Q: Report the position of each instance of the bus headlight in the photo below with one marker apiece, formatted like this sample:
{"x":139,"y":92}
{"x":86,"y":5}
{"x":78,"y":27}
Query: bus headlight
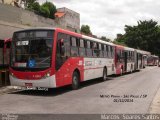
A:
{"x":48,"y":74}
{"x":11,"y":74}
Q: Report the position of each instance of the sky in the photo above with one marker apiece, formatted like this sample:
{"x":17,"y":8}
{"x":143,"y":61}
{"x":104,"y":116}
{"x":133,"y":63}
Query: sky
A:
{"x":109,"y":17}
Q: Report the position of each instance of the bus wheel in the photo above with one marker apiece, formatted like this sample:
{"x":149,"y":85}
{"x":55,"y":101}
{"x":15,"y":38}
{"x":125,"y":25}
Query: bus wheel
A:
{"x":104,"y":74}
{"x":75,"y":81}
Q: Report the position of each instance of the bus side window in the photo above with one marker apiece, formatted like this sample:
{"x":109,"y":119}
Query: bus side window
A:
{"x":132,"y":56}
{"x":112,"y":54}
{"x":74,"y":46}
{"x":60,"y":59}
{"x":118,"y":55}
{"x":88,"y":49}
{"x":112,"y":51}
{"x":100,"y":50}
{"x":109,"y":52}
{"x":105,"y":51}
{"x":67,"y":45}
{"x":95,"y":49}
{"x":82,"y":51}
{"x":128,"y":56}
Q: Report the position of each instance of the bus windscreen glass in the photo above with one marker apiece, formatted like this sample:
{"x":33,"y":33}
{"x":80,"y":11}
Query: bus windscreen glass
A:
{"x":32,"y":49}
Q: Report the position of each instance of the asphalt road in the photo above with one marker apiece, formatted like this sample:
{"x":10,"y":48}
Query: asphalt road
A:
{"x":130,"y":93}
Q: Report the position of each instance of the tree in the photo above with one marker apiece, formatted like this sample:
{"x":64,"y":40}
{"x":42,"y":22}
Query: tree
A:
{"x":44,"y":11}
{"x":47,"y":9}
{"x":52,"y":9}
{"x":105,"y":39}
{"x":145,"y":36}
{"x":28,"y":3}
{"x":34,"y":6}
{"x":85,"y":29}
{"x":120,"y":40}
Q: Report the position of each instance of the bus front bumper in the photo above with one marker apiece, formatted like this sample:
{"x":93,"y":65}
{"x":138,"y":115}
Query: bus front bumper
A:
{"x":48,"y":82}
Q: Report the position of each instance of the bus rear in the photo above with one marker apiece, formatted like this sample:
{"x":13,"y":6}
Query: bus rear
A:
{"x":31,"y":56}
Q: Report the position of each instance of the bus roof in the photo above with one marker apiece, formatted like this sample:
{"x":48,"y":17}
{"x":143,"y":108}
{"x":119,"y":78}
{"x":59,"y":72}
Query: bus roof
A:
{"x":143,"y":52}
{"x":97,"y":40}
{"x":85,"y":37}
{"x":128,"y":48}
{"x":120,"y":46}
{"x":36,"y":28}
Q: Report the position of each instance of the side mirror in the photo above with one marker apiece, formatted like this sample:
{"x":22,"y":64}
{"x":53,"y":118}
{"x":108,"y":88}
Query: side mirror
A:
{"x":62,"y":48}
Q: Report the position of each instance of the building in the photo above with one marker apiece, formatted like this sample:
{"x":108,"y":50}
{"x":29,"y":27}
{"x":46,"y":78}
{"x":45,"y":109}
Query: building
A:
{"x":65,"y":18}
{"x":14,"y":18}
{"x":68,"y":19}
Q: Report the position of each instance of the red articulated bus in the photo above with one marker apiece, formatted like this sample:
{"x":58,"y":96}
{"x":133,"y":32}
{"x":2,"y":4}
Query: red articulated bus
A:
{"x":119,"y":59}
{"x":51,"y":58}
{"x":145,"y":57}
{"x":152,"y":60}
{"x":124,"y":59}
{"x":129,"y":59}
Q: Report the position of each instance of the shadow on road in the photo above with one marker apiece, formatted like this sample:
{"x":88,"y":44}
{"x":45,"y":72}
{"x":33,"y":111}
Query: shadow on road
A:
{"x":59,"y":91}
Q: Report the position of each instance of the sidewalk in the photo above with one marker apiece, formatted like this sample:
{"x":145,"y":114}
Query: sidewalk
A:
{"x":7,"y":89}
{"x":155,"y":106}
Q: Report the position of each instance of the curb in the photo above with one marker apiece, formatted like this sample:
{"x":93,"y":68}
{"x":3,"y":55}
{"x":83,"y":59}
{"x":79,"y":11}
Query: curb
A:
{"x":155,"y":105}
{"x":8,"y":89}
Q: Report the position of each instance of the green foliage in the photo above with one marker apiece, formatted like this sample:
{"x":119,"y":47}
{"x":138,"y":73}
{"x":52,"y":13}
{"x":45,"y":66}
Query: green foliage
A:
{"x":34,"y":6}
{"x":105,"y":39}
{"x":145,"y":36}
{"x":85,"y":29}
{"x":28,"y":3}
{"x":47,"y":9}
{"x":51,"y":7}
{"x":120,"y":40}
{"x":44,"y":11}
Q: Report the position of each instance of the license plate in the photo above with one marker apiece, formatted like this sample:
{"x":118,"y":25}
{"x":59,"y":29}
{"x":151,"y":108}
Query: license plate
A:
{"x":28,"y":85}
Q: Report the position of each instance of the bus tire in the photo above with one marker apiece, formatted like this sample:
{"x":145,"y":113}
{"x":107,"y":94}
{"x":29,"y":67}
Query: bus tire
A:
{"x":75,"y":81}
{"x":104,"y":74}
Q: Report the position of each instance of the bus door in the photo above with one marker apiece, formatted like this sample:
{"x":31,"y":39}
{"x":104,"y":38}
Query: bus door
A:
{"x":125,"y":61}
{"x":62,"y":54}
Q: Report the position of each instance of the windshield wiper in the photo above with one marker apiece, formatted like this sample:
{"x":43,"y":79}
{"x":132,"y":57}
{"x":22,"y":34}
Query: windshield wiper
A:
{"x":44,"y":60}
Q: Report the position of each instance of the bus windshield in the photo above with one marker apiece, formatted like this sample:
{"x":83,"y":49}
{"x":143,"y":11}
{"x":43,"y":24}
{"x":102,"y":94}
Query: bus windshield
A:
{"x":32,"y":49}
